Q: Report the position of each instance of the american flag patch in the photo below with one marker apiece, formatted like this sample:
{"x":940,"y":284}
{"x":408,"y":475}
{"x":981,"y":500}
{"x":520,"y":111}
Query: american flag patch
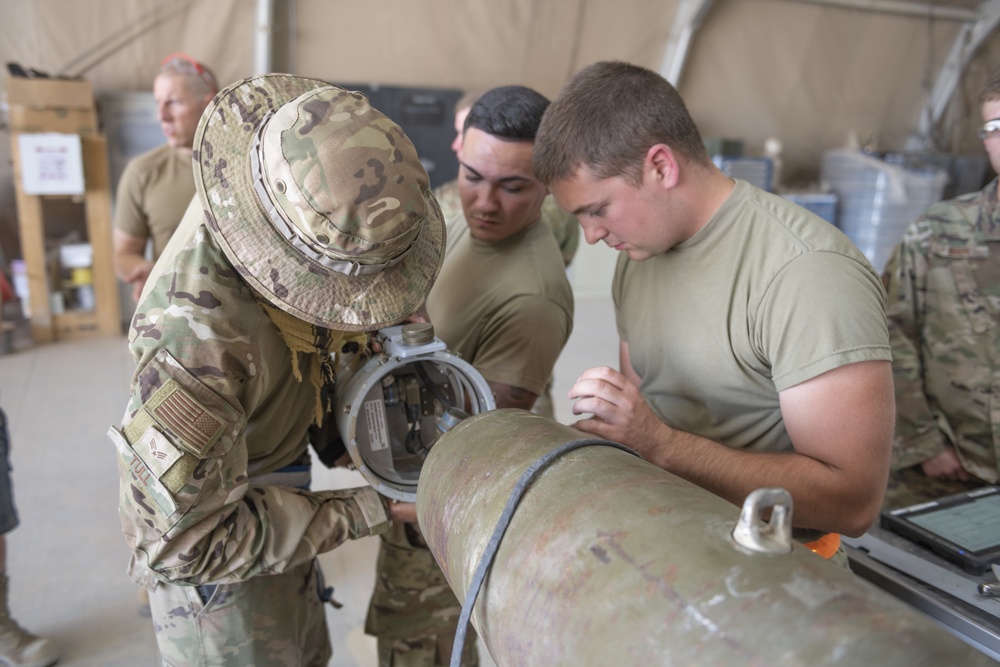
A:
{"x":195,"y":428}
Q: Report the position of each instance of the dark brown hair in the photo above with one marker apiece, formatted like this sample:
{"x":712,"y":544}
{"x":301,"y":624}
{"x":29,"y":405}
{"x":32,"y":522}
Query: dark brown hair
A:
{"x":991,"y":91}
{"x":607,"y":117}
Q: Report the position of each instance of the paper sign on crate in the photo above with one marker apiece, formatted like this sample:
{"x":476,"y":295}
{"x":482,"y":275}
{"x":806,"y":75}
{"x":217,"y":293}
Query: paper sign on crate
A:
{"x":51,"y":164}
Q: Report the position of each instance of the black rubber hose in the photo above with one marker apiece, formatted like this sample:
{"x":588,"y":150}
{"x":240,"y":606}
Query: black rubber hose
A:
{"x":508,"y":512}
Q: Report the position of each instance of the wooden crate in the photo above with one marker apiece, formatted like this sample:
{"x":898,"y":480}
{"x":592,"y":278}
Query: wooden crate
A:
{"x":64,"y":106}
{"x":104,"y":319}
{"x":61,"y":119}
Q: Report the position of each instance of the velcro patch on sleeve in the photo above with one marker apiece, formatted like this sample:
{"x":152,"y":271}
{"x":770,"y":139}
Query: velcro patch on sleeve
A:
{"x":157,"y":451}
{"x":142,"y":480}
{"x":372,"y":509}
{"x":960,"y":252}
{"x":177,"y":411}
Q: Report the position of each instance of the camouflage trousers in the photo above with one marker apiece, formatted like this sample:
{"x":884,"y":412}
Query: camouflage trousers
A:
{"x":910,"y":486}
{"x":413,"y":611}
{"x":268,"y":621}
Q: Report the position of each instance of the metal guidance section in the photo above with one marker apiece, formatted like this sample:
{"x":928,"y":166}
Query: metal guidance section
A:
{"x":396,"y":406}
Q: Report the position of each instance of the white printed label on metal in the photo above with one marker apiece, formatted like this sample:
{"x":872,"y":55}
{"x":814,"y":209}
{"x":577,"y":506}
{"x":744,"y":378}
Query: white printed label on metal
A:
{"x":378,"y":431}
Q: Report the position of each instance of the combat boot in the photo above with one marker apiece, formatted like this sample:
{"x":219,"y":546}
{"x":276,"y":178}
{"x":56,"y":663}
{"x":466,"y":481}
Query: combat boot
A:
{"x":18,"y":647}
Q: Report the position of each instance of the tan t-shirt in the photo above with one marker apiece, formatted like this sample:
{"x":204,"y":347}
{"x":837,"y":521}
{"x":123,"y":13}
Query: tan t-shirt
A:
{"x":155,"y":189}
{"x":506,"y":307}
{"x":764,"y":297}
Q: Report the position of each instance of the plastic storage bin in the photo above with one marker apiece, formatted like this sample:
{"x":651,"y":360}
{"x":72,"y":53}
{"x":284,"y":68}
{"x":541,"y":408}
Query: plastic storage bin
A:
{"x":758,"y":171}
{"x":878,"y":200}
{"x":823,"y":204}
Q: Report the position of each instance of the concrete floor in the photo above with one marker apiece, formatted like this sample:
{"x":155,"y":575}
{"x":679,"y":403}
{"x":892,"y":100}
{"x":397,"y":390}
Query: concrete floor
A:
{"x":67,"y":559}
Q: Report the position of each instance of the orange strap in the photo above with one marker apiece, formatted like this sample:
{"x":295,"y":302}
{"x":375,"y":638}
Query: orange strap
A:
{"x":826,"y":546}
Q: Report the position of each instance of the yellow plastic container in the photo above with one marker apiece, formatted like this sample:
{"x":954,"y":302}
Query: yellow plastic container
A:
{"x":81,"y":276}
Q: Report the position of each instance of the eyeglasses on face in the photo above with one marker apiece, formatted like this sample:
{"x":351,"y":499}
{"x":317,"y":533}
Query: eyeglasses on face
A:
{"x":991,"y":130}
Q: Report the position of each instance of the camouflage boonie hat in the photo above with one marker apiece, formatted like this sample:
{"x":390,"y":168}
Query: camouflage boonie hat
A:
{"x":319,"y":201}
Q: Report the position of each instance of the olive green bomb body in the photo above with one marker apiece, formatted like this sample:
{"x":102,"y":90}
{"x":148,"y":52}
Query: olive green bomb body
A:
{"x":611,"y":560}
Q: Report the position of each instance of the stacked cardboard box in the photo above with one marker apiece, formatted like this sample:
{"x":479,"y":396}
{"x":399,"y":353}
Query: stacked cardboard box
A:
{"x":51,"y":105}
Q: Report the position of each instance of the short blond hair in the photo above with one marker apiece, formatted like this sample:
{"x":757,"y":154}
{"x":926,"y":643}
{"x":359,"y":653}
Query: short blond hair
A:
{"x":198,"y":77}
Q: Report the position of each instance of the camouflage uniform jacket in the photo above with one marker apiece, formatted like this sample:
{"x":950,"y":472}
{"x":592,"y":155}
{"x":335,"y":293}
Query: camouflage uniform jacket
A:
{"x":214,"y":407}
{"x":943,"y":285}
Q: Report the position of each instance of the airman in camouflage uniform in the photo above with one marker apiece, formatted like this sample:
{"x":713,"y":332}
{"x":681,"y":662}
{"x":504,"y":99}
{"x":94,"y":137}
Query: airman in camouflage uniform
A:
{"x":943,"y":285}
{"x":413,"y":611}
{"x":313,"y":224}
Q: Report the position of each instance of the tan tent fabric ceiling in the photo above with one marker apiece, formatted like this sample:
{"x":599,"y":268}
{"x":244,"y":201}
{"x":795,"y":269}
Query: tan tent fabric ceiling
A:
{"x":812,"y":75}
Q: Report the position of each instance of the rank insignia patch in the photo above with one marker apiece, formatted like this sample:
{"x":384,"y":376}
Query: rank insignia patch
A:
{"x":157,"y":451}
{"x":141,"y":478}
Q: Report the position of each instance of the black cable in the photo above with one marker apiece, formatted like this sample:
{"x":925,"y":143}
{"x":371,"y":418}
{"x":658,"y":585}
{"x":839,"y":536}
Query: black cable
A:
{"x":508,"y":512}
{"x":413,"y":443}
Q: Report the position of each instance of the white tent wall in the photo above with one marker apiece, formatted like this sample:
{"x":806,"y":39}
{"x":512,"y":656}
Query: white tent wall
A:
{"x":126,"y":39}
{"x":821,"y":77}
{"x":118,"y":44}
{"x":814,"y":76}
{"x":474,"y":45}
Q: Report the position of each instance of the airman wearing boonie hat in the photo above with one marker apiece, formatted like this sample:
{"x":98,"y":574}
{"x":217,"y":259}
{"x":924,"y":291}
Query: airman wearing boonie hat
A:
{"x":313,"y":224}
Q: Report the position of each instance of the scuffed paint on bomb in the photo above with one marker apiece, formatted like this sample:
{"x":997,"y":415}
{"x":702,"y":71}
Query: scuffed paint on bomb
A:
{"x":611,"y":560}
